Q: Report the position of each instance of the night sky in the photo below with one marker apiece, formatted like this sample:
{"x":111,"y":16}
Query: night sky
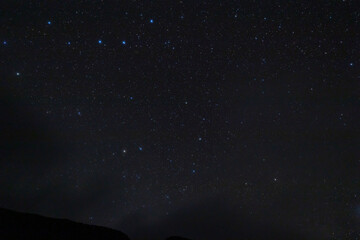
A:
{"x":194,"y":118}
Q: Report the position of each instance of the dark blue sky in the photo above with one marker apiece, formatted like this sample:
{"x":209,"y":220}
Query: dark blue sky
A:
{"x":155,"y":117}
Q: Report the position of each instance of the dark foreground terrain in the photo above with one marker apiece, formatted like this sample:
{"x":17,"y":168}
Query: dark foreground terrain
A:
{"x":16,"y":225}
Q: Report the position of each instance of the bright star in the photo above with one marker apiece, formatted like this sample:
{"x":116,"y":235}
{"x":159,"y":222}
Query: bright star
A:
{"x":100,"y":41}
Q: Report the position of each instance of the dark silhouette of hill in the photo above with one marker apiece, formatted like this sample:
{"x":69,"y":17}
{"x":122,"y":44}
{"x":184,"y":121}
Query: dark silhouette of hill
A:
{"x":16,"y":225}
{"x":176,"y":238}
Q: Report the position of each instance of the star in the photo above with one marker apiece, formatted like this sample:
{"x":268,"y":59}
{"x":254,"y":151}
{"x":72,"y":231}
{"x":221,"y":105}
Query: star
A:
{"x":4,"y":42}
{"x":351,"y":64}
{"x":151,"y":21}
{"x":123,"y":42}
{"x":49,"y":22}
{"x":140,"y":148}
{"x":100,"y":41}
{"x":68,"y":43}
{"x":17,"y":74}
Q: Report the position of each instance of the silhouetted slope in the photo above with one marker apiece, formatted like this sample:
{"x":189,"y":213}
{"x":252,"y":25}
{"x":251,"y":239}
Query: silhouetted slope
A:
{"x":177,"y":238}
{"x":15,"y":225}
